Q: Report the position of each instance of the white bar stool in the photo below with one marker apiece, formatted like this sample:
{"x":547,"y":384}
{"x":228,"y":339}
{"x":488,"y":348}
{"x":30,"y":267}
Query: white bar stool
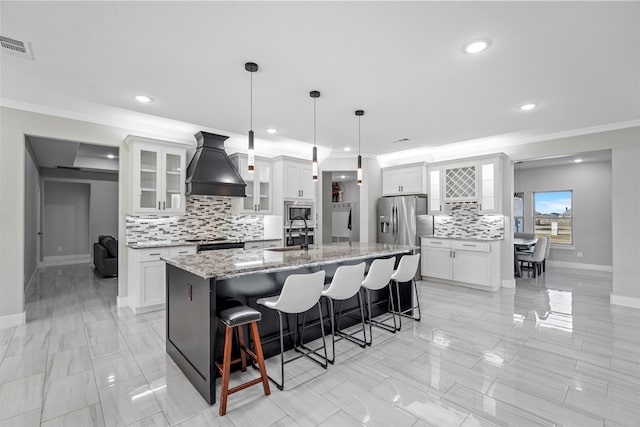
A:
{"x":345,"y":284}
{"x":378,"y":277}
{"x":299,"y":294}
{"x":406,"y":272}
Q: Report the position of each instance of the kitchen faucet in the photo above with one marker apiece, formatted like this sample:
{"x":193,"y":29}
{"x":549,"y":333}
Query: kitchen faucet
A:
{"x":305,"y":245}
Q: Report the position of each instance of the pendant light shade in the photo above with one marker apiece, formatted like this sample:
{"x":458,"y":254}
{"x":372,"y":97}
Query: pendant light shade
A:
{"x":314,"y":159}
{"x":359,"y":114}
{"x":251,"y":67}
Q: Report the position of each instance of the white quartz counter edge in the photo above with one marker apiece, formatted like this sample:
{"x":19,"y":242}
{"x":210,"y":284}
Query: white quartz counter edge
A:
{"x":182,"y":262}
{"x":470,"y":239}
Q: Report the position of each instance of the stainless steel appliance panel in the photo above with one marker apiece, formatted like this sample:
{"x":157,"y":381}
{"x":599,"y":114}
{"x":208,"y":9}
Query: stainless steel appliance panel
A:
{"x":386,"y":225}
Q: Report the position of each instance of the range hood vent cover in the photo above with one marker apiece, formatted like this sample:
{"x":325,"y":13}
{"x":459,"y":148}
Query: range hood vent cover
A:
{"x":211,"y":172}
{"x":16,"y":48}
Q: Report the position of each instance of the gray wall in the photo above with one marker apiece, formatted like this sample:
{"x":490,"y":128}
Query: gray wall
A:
{"x":591,"y":185}
{"x":66,"y":218}
{"x":352,"y":194}
{"x":31,"y":217}
{"x":103,"y":213}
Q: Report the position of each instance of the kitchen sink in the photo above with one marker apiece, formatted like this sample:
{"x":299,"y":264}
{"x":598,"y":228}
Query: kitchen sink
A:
{"x":285,"y":249}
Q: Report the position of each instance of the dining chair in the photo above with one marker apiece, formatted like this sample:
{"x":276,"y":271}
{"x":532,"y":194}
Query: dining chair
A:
{"x":535,"y":259}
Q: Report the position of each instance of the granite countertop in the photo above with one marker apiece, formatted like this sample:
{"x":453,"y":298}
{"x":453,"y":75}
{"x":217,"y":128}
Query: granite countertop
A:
{"x":471,"y":238}
{"x":231,"y":263}
{"x":160,"y":244}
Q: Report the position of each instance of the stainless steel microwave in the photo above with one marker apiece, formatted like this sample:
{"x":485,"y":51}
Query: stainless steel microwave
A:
{"x":299,"y":210}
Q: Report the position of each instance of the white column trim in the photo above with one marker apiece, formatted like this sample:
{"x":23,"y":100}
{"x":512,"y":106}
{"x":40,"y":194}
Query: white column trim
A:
{"x":625,"y":301}
{"x":509,"y":283}
{"x":11,"y":320}
{"x":122,"y":301}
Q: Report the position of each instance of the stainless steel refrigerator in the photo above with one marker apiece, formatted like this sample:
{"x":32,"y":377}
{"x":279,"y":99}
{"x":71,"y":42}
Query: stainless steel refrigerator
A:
{"x":403,"y":219}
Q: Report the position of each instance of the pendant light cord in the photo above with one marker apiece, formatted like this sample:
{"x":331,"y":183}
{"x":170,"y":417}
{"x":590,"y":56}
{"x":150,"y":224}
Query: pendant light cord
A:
{"x":251,"y":101}
{"x":314,"y":122}
{"x":359,"y":117}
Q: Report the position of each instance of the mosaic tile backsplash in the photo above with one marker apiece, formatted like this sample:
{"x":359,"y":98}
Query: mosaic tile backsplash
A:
{"x":206,"y":218}
{"x":463,"y":222}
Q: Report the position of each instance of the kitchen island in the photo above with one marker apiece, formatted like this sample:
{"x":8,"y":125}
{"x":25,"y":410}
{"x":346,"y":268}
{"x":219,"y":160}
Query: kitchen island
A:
{"x":196,"y":282}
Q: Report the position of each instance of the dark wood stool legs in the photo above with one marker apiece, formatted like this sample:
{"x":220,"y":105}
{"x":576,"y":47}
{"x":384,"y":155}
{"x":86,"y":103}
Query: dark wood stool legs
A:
{"x":225,"y":369}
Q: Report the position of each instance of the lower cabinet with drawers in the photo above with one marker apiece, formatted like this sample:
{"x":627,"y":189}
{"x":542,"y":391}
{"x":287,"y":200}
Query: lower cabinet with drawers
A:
{"x":147,"y":276}
{"x":464,"y":262}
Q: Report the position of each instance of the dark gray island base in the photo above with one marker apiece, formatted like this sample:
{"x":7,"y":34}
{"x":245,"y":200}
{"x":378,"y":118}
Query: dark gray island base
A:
{"x":195,"y":283}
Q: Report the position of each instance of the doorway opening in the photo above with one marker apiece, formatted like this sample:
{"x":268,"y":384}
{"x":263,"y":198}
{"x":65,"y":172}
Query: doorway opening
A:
{"x":341,"y":207}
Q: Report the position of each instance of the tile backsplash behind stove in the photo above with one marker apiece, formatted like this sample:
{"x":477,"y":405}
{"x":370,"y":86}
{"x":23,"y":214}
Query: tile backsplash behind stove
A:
{"x":206,"y":218}
{"x":464,"y":222}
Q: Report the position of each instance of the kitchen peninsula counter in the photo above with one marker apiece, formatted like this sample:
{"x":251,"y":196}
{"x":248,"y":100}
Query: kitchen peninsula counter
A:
{"x":196,"y":282}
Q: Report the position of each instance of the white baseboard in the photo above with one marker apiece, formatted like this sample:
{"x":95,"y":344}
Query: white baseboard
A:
{"x":65,"y":260}
{"x":11,"y":320}
{"x":625,"y":301}
{"x":508,"y":283}
{"x":122,"y":301}
{"x":579,"y":265}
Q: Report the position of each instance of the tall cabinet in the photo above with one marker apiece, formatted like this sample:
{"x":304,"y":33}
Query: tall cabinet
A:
{"x":158,"y":176}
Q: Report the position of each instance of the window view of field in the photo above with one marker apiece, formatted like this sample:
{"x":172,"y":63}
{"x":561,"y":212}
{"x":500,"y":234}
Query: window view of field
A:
{"x":553,"y":215}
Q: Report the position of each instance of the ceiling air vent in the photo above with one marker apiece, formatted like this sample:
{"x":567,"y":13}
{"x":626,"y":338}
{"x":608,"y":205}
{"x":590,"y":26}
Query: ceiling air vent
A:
{"x":16,"y":47}
{"x":400,"y":140}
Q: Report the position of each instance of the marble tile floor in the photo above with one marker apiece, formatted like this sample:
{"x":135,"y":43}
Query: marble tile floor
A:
{"x":551,"y":352}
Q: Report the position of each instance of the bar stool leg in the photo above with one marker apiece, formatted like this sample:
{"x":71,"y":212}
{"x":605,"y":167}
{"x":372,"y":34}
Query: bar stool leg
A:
{"x":243,"y":353}
{"x":260,"y":356}
{"x":226,"y":370}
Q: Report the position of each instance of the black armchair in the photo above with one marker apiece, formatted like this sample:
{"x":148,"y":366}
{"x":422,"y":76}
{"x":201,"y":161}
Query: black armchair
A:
{"x":105,"y":256}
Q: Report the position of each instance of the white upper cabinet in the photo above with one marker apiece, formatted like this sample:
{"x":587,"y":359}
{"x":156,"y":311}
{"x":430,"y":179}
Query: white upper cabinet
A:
{"x":298,"y":180}
{"x":259,"y":189}
{"x":469,"y":180}
{"x":404,"y":180}
{"x":158,"y":173}
{"x":435,"y":190}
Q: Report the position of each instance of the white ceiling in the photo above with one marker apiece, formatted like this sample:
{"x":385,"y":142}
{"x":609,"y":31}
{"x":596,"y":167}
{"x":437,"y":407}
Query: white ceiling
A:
{"x":399,"y":61}
{"x":54,"y":153}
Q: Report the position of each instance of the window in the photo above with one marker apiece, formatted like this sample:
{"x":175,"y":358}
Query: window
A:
{"x":553,"y":215}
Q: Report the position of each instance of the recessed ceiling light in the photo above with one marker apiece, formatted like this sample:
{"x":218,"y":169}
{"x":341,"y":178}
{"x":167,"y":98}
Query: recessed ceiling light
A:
{"x":527,"y":107}
{"x":142,"y":98}
{"x":343,"y":176}
{"x":272,"y":130}
{"x":476,"y":46}
{"x":111,"y":156}
{"x":577,"y":160}
{"x":347,"y":148}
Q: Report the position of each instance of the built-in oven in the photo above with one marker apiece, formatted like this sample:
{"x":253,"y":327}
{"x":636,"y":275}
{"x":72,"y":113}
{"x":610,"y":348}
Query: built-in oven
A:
{"x":296,"y":210}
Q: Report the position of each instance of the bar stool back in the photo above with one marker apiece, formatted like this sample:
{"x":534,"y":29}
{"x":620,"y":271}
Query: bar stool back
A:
{"x":345,"y":284}
{"x":378,"y":277}
{"x":235,"y":315}
{"x":299,"y":294}
{"x":406,"y":272}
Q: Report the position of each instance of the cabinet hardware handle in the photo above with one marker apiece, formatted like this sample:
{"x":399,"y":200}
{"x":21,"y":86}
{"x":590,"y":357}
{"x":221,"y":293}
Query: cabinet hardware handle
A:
{"x":164,"y":205}
{"x":454,"y":254}
{"x":466,"y":244}
{"x":302,"y":193}
{"x":155,"y":254}
{"x":158,"y":205}
{"x":183,"y":252}
{"x":436,"y":243}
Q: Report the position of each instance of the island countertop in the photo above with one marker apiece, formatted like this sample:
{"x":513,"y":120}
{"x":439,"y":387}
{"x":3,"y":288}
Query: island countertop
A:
{"x":232,"y":263}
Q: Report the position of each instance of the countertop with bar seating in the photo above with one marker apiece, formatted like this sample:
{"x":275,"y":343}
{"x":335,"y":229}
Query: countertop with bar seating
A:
{"x":237,"y":262}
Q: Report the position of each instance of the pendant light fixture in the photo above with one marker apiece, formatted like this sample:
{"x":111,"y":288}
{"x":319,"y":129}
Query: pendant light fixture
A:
{"x":314,"y":159}
{"x":359,"y":114}
{"x":251,"y":67}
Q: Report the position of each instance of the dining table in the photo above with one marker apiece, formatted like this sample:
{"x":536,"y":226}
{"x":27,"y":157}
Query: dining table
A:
{"x":521,"y":244}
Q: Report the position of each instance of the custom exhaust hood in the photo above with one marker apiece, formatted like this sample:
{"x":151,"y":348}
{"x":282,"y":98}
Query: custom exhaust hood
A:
{"x":211,"y":172}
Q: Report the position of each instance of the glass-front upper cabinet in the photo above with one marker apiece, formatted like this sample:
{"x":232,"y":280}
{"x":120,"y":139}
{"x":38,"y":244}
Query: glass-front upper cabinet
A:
{"x":258,"y":190}
{"x":158,"y":173}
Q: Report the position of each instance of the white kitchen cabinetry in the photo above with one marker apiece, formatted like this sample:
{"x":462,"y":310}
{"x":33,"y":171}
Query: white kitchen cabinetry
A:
{"x":298,"y":180}
{"x":403,"y":180}
{"x":147,"y":276}
{"x":158,"y":176}
{"x":466,"y":262}
{"x":435,"y":205}
{"x":259,"y":190}
{"x":263,"y":244}
{"x":472,"y":180}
